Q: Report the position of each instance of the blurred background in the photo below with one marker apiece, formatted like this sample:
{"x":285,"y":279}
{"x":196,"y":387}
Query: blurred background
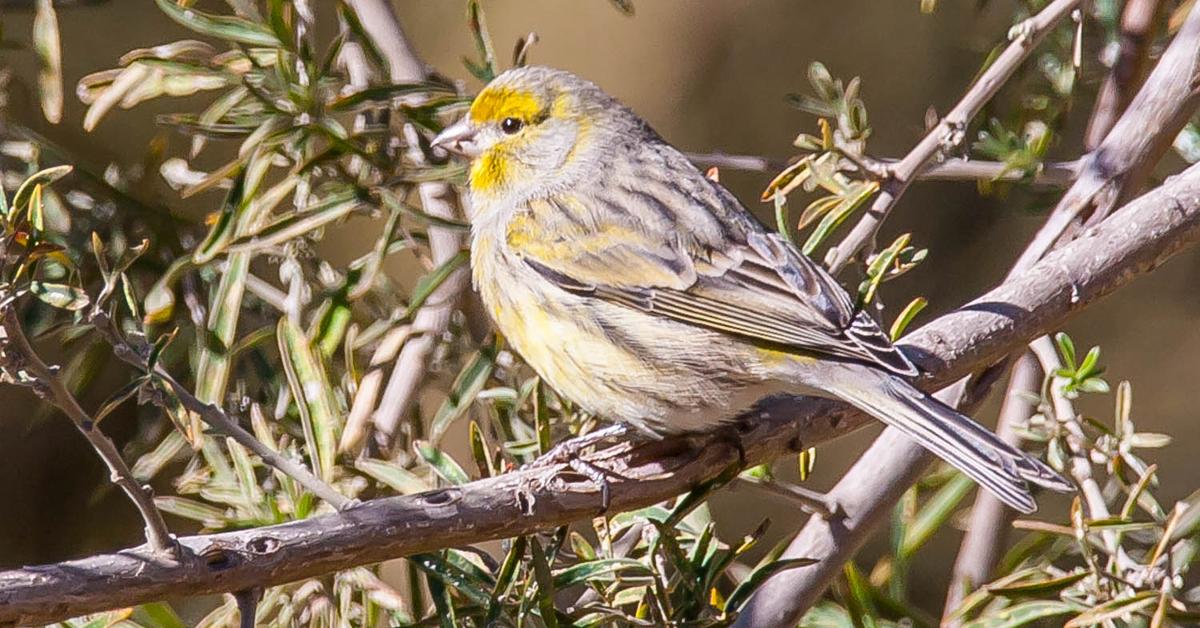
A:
{"x":710,"y":77}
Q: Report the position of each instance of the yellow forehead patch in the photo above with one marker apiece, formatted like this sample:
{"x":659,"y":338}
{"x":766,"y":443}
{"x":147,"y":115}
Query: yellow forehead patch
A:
{"x":495,"y":104}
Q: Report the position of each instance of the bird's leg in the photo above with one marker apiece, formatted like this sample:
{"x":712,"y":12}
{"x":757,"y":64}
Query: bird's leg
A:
{"x":568,"y":450}
{"x":569,"y":453}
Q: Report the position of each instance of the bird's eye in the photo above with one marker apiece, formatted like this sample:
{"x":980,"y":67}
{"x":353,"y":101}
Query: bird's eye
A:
{"x":511,"y":125}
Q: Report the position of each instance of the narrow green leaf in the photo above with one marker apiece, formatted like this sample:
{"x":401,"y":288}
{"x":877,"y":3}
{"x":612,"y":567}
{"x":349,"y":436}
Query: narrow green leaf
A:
{"x":210,"y":516}
{"x":504,"y":579}
{"x":479,"y":450}
{"x":1114,"y":609}
{"x":225,"y":227}
{"x":935,"y":513}
{"x":1066,"y":348}
{"x":906,"y":317}
{"x":485,"y":70}
{"x":329,"y":210}
{"x":398,"y":478}
{"x":466,"y":387}
{"x":441,"y":463}
{"x":596,"y":570}
{"x":159,"y":615}
{"x":742,"y":592}
{"x":545,"y":582}
{"x":24,"y":193}
{"x":432,"y":280}
{"x":233,"y":29}
{"x":1038,"y":587}
{"x":313,"y":392}
{"x":60,"y":295}
{"x":453,"y":576}
{"x":1022,"y":614}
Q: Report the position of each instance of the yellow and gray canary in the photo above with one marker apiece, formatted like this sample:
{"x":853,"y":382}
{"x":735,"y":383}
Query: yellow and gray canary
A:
{"x":646,"y":293}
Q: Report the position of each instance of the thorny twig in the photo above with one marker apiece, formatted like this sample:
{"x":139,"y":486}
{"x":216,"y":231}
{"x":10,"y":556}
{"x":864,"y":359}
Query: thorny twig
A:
{"x":949,"y":132}
{"x":17,"y":354}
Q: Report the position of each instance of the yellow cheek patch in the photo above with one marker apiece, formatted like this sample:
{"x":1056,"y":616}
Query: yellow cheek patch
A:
{"x":493,"y":105}
{"x":489,"y":171}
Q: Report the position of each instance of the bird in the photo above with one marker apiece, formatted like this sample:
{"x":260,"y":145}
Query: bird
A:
{"x":645,"y":293}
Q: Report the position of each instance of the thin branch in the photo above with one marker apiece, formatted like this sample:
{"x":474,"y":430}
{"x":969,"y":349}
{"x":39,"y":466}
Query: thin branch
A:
{"x":1136,"y":34}
{"x":806,"y":500}
{"x":19,"y":353}
{"x":1133,"y":241}
{"x":950,"y":130}
{"x":1053,"y":173}
{"x":437,"y":199}
{"x":988,"y":525}
{"x":1118,"y":169}
{"x":213,"y":416}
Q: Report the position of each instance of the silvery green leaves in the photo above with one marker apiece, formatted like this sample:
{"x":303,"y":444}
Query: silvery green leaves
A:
{"x":1126,"y":568}
{"x":831,"y":164}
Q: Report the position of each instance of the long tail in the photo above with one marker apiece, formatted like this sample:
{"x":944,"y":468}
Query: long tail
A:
{"x":953,"y":437}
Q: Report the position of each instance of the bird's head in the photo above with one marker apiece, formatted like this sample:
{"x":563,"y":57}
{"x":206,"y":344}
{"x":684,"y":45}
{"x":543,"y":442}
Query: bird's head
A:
{"x":534,"y":130}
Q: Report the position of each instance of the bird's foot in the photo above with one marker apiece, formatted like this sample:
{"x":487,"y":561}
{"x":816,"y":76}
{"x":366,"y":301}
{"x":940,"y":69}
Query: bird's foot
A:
{"x":570,"y":452}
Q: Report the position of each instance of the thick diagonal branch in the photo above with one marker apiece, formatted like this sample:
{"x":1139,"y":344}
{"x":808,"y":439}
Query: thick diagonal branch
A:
{"x":1132,"y":242}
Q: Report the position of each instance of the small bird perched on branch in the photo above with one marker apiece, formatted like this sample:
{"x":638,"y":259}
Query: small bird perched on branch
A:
{"x":646,"y":293}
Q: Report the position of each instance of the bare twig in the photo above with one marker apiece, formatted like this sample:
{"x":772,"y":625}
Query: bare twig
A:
{"x":887,"y":469}
{"x":1128,"y":70}
{"x":1134,"y":240}
{"x":1054,"y":173}
{"x":950,"y":130}
{"x":988,"y":524}
{"x":437,"y":199}
{"x":19,"y":353}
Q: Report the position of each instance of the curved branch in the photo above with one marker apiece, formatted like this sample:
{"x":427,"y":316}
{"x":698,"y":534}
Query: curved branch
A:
{"x":1133,"y":241}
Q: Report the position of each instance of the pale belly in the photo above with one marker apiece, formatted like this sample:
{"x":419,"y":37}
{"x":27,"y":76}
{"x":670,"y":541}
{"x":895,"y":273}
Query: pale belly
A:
{"x":622,"y":364}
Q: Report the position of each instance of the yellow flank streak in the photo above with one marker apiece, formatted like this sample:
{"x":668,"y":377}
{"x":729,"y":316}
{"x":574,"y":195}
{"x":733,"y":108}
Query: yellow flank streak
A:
{"x":775,"y":357}
{"x":493,"y":105}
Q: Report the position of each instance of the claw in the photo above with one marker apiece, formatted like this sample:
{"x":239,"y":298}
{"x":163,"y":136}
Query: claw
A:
{"x":598,"y":476}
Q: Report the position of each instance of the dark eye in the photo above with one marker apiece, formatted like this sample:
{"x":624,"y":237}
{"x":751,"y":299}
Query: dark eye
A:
{"x":511,"y":125}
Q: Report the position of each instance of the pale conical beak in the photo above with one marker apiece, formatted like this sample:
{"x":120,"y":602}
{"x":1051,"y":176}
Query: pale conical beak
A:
{"x":458,"y":138}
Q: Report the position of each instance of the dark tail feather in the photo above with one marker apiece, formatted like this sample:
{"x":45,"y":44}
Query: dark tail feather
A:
{"x":953,"y":437}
